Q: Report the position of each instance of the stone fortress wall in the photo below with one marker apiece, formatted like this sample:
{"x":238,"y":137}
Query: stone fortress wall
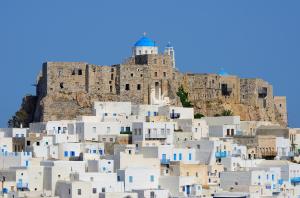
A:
{"x":68,"y":89}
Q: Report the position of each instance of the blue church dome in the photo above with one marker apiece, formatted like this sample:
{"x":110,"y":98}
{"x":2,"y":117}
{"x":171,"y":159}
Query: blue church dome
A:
{"x":144,"y":41}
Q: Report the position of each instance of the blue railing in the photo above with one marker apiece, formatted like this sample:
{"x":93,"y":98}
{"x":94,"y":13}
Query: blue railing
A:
{"x":165,"y":161}
{"x":268,"y":186}
{"x":295,"y":179}
{"x":221,"y":154}
{"x":21,"y":185}
{"x":6,"y":153}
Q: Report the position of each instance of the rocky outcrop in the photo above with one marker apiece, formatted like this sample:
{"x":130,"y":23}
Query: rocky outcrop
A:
{"x":25,"y":114}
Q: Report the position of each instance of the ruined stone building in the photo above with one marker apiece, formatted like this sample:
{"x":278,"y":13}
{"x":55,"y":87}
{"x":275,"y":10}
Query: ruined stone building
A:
{"x":68,"y":89}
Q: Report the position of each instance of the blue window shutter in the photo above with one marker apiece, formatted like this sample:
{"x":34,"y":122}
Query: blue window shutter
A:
{"x":152,"y":178}
{"x":190,"y":156}
{"x":66,"y":154}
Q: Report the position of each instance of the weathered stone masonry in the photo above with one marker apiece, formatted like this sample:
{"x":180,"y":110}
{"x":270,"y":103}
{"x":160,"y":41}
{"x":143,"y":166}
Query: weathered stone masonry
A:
{"x":68,"y":89}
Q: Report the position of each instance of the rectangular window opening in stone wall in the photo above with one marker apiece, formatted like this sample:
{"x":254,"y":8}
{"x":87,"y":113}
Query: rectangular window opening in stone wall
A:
{"x":155,"y":74}
{"x":138,"y":87}
{"x":127,"y":87}
{"x":110,"y":88}
{"x":79,"y":72}
{"x":61,"y":85}
{"x":131,"y":74}
{"x":112,"y":76}
{"x":165,"y":74}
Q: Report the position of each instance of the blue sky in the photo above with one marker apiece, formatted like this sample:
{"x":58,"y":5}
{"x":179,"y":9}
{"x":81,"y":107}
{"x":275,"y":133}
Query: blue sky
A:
{"x":247,"y":38}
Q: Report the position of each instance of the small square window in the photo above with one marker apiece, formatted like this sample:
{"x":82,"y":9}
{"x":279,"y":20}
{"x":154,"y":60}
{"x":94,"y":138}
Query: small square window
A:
{"x":79,"y":191}
{"x":127,"y":87}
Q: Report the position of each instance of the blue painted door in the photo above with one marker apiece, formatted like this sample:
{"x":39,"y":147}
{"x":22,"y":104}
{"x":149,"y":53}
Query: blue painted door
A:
{"x":188,"y":190}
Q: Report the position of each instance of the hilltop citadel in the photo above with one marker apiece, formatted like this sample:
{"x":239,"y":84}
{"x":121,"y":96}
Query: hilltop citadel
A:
{"x":148,"y":77}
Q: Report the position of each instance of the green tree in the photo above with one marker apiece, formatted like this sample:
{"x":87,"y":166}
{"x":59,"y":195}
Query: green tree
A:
{"x":184,"y":98}
{"x":227,"y":113}
{"x":198,"y":115}
{"x":20,"y":118}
